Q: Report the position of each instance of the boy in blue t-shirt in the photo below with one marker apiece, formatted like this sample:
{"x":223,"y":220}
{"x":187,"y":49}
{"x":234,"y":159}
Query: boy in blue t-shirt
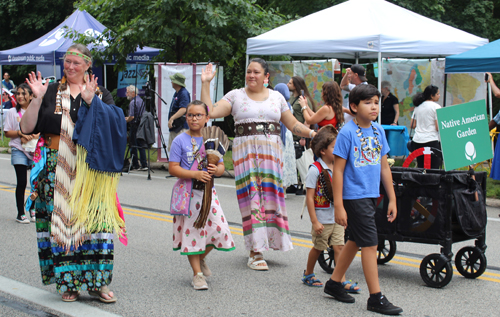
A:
{"x":360,"y":163}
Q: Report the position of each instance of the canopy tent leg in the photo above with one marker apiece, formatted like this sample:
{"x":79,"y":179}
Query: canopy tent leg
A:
{"x":490,"y":100}
{"x":356,"y":57}
{"x":246,"y":65}
{"x":106,"y":75}
{"x":55,"y":72}
{"x":445,"y":85}
{"x":380,"y":85}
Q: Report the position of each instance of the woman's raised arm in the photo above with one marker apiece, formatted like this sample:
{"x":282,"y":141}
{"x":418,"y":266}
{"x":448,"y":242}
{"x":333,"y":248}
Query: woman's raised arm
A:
{"x":221,"y":108}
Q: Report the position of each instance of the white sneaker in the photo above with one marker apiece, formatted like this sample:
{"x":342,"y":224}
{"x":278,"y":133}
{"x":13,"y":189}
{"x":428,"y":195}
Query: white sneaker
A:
{"x":199,"y":282}
{"x":22,"y":219}
{"x":32,"y":213}
{"x":144,"y":168}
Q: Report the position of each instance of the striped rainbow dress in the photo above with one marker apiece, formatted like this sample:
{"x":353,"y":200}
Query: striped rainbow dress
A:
{"x":258,"y":168}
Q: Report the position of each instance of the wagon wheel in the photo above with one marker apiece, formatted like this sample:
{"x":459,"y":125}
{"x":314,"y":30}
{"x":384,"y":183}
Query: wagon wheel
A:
{"x":470,"y":262}
{"x":436,"y":270}
{"x":385,"y":251}
{"x":325,"y":260}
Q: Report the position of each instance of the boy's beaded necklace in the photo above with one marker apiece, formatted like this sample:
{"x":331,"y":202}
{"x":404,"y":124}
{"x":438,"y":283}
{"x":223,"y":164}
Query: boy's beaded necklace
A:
{"x":364,"y":140}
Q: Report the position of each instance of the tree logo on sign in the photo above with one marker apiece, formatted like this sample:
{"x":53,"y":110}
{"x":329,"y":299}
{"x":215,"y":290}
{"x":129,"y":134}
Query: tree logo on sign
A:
{"x":470,"y":151}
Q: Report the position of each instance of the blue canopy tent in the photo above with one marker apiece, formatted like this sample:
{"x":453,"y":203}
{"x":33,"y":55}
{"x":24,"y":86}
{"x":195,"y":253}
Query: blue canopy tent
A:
{"x":482,"y":59}
{"x":50,"y":48}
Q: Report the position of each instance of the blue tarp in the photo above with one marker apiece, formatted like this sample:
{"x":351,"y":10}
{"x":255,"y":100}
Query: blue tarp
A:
{"x":482,"y":59}
{"x":50,"y":48}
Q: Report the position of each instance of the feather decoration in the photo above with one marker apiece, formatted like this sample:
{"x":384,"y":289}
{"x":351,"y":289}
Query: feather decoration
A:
{"x":216,"y":144}
{"x":326,"y":185}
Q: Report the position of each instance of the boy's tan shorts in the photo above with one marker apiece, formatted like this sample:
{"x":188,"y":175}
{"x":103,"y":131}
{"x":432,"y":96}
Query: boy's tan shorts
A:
{"x":333,"y":234}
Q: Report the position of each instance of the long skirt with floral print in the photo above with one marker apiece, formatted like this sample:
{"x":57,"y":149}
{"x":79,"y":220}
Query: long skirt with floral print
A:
{"x":90,"y":266}
{"x":216,"y":233}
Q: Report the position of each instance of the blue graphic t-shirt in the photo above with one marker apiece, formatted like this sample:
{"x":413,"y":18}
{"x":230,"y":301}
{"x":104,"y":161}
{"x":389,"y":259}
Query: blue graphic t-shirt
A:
{"x":362,"y":170}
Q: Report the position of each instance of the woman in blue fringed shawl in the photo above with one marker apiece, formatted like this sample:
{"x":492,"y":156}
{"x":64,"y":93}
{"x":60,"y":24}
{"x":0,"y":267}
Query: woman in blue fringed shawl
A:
{"x":83,"y":143}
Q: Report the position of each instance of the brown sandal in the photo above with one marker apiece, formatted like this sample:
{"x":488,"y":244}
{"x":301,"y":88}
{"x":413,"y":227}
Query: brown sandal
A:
{"x":104,"y":290}
{"x":71,"y":293}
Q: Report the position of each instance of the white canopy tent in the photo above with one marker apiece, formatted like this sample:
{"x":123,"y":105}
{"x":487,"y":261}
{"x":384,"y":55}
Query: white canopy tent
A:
{"x":364,"y":29}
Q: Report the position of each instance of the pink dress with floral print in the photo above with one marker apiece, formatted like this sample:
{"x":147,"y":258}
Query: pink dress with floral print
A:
{"x":216,"y":232}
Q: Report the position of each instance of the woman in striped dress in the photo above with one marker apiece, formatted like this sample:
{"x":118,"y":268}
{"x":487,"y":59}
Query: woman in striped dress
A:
{"x":257,"y":157}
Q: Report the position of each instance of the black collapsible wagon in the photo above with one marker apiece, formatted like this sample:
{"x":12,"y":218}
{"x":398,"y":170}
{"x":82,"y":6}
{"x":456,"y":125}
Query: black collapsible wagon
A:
{"x":434,"y":207}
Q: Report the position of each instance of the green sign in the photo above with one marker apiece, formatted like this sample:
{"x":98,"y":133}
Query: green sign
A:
{"x":464,"y":133}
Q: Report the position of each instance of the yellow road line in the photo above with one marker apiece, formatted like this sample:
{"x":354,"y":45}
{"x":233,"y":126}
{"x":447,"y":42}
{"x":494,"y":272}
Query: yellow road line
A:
{"x":167,"y":218}
{"x":239,"y":231}
{"x":149,"y":213}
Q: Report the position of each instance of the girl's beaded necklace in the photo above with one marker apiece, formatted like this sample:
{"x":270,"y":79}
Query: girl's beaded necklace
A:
{"x":364,"y":140}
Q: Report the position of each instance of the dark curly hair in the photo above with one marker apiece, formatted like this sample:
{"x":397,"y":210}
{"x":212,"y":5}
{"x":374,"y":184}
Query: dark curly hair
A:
{"x":362,"y":92}
{"x":197,"y":103}
{"x":325,"y":136}
{"x":27,"y":90}
{"x":428,"y":93}
{"x":333,"y":98}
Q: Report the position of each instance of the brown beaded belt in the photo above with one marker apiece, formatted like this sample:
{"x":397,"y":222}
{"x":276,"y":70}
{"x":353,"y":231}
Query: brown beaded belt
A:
{"x":52,"y":141}
{"x":257,"y":128}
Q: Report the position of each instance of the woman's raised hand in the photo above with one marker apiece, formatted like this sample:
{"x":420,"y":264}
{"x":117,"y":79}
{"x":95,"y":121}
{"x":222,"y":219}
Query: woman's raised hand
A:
{"x":88,"y":91}
{"x":36,"y":85}
{"x":207,"y":73}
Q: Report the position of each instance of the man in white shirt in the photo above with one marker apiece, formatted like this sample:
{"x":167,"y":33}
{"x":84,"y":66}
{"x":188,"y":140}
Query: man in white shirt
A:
{"x":356,"y":75}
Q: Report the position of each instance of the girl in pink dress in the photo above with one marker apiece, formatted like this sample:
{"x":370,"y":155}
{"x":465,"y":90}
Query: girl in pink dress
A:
{"x":186,"y":163}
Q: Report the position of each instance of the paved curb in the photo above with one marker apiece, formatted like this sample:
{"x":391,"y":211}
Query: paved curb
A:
{"x":493,"y":202}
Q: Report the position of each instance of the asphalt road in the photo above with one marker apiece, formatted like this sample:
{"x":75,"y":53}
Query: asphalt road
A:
{"x":152,"y":280}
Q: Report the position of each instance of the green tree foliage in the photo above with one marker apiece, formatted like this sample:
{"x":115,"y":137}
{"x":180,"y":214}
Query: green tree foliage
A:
{"x":298,"y":8}
{"x":473,"y":16}
{"x":23,"y":21}
{"x":188,"y":30}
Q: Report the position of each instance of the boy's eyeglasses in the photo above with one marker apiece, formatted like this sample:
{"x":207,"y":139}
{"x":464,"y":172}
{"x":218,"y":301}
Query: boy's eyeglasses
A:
{"x":197,"y":116}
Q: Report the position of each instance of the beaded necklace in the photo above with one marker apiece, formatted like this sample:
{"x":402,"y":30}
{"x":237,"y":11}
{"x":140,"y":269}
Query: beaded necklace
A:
{"x":364,"y":140}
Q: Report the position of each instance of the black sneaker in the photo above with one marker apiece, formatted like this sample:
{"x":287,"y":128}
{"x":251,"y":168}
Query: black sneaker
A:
{"x":383,"y":306}
{"x":291,"y":189}
{"x":337,"y":291}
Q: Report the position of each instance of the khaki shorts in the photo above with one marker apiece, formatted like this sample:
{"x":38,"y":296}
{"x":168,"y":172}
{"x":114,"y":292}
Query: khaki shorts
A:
{"x":333,"y":234}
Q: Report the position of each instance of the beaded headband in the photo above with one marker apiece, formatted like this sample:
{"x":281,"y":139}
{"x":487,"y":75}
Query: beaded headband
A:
{"x":85,"y":57}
